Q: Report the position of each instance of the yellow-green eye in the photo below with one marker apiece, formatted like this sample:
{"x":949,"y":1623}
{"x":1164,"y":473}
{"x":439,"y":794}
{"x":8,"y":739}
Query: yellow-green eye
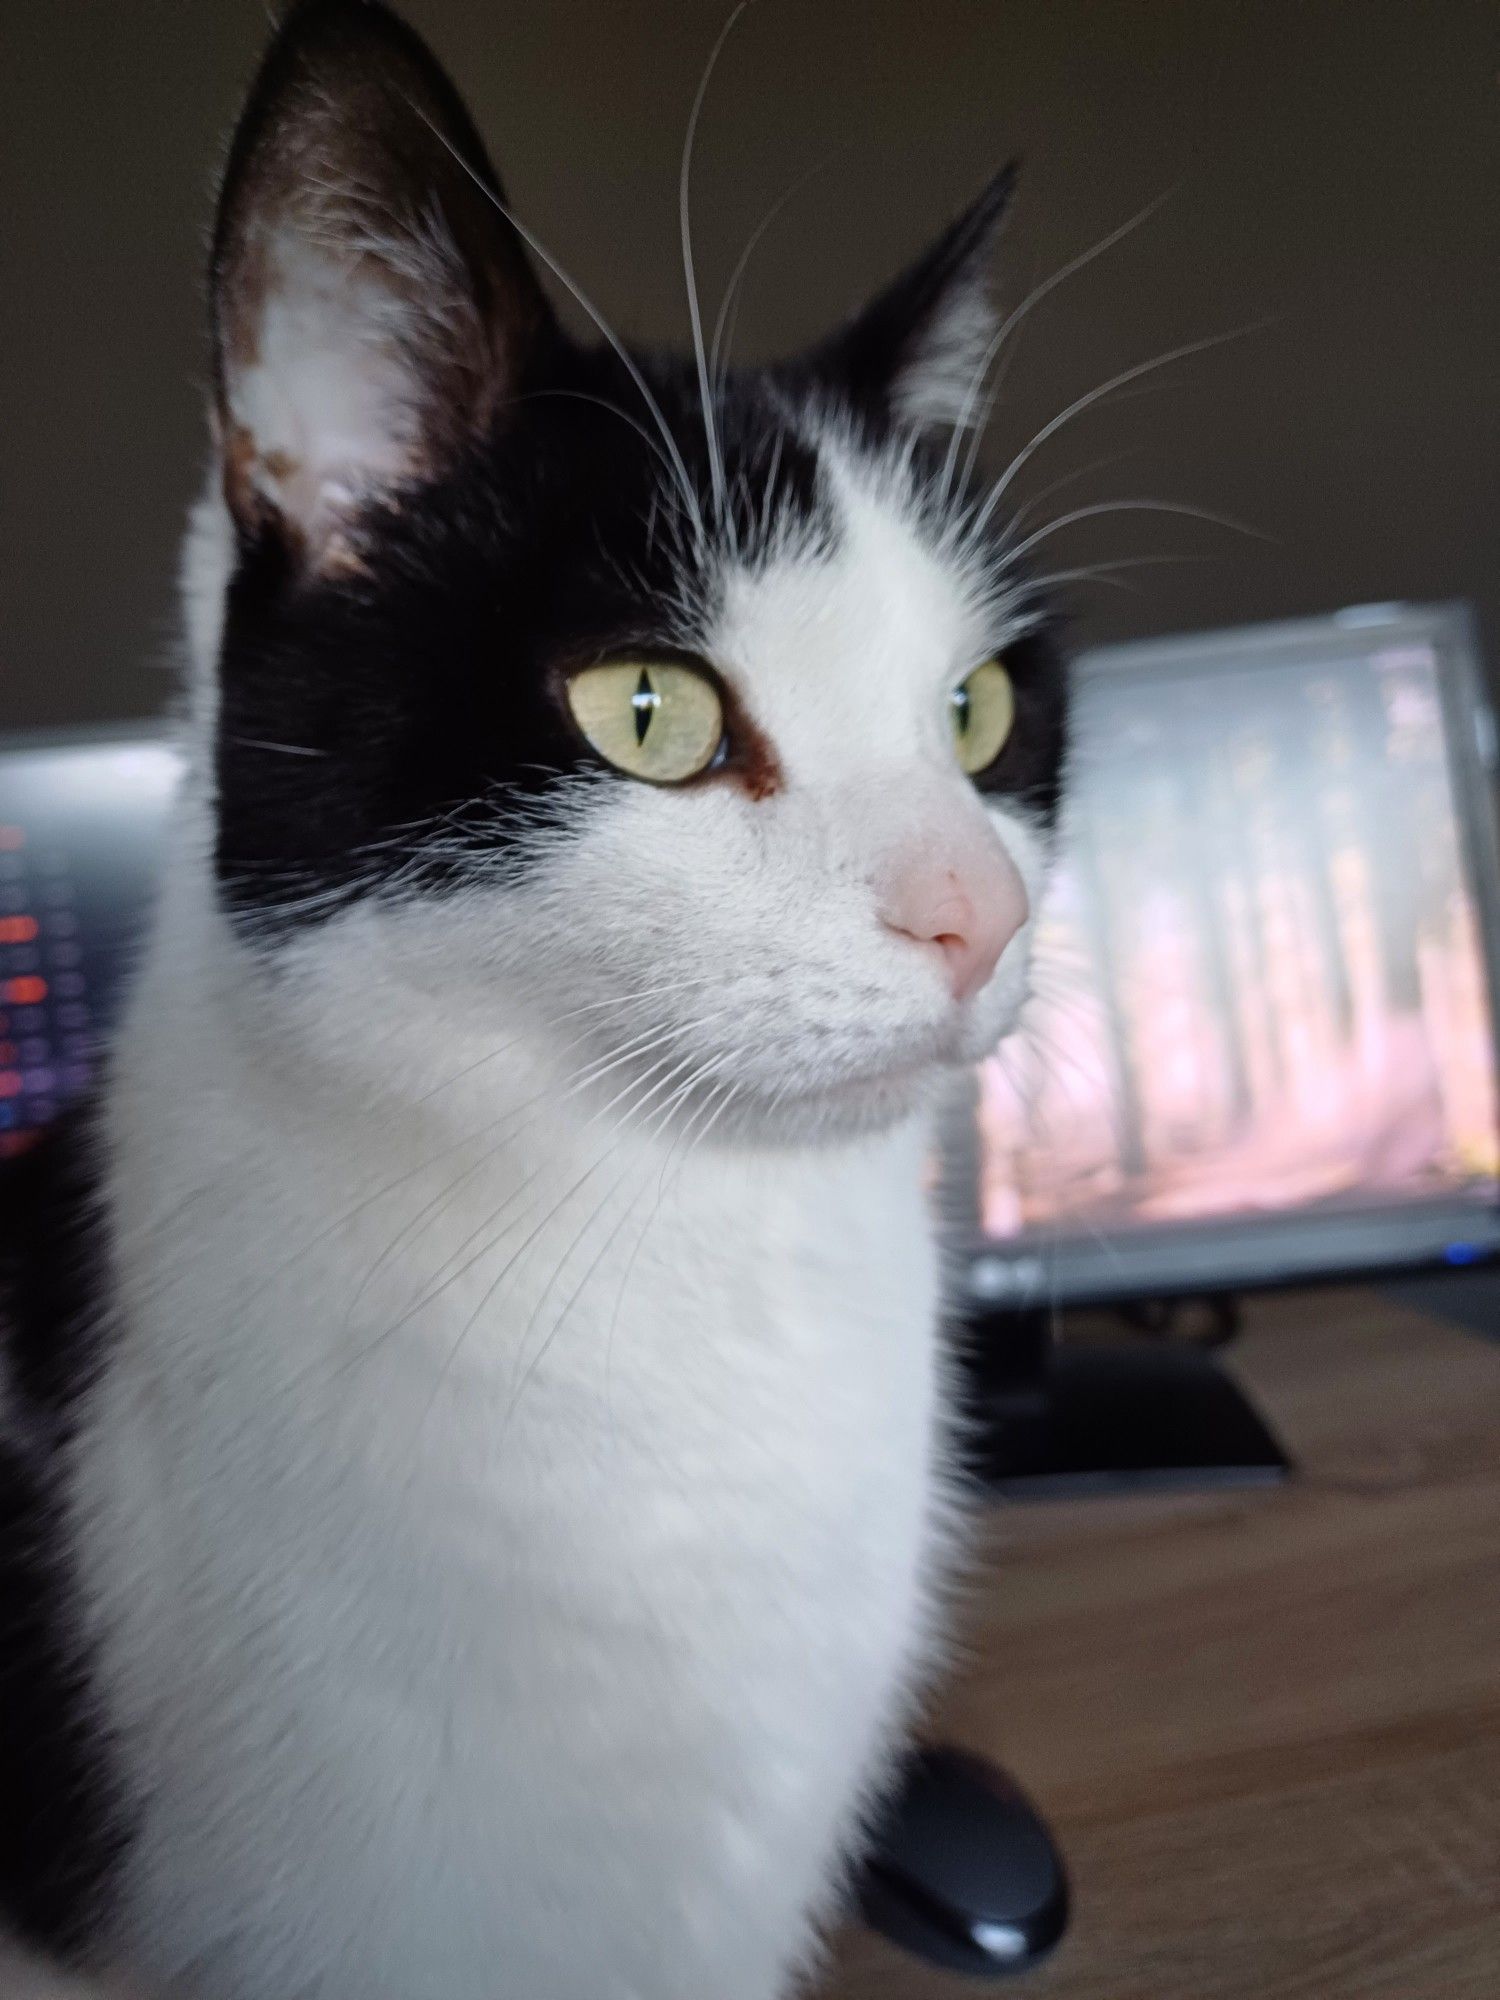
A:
{"x":983,"y":709}
{"x":653,"y":719}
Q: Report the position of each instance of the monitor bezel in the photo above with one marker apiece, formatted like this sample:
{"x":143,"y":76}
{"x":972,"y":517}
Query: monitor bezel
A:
{"x":1238,"y":1253}
{"x":149,"y":732}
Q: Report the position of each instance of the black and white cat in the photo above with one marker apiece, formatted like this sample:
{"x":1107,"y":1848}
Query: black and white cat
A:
{"x":472,"y":1446}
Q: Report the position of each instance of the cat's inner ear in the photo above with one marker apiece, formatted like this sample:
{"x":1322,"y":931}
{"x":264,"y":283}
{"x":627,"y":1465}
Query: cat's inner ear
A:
{"x":915,"y":354}
{"x":372,"y":305}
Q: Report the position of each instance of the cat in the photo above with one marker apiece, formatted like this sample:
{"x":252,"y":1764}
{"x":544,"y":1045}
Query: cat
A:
{"x":475,"y":1445}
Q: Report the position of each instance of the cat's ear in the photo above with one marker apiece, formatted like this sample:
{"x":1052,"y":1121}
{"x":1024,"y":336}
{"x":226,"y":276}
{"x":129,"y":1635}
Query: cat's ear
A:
{"x":914,"y":353}
{"x":372,"y":305}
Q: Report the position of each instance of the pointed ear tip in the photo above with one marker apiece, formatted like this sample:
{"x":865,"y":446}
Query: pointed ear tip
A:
{"x":995,"y":197}
{"x":307,"y":14}
{"x":973,"y":233}
{"x":321,"y":30}
{"x":324,"y":52}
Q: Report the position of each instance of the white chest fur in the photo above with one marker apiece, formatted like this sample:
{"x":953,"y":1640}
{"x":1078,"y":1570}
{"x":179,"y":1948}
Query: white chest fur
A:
{"x":508,"y":1565}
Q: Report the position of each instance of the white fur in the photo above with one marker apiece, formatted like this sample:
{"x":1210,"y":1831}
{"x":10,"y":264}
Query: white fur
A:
{"x":945,"y":375}
{"x":354,"y":327}
{"x":514,"y":1515}
{"x":329,"y":399}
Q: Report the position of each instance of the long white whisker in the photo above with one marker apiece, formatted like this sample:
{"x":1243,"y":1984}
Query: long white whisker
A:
{"x":1103,"y":572}
{"x":717,"y":1101}
{"x":659,"y":1122}
{"x":1014,"y":319}
{"x":1081,"y":403}
{"x":591,"y":1073}
{"x":684,"y":218}
{"x":608,"y":332}
{"x":723,"y":334}
{"x":458,"y":1261}
{"x":492,"y":1239}
{"x":1076,"y":514}
{"x":1029,"y":507}
{"x":490,"y":1291}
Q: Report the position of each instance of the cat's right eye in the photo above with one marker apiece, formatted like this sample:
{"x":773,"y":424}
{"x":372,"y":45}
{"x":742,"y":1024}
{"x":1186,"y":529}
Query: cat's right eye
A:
{"x":653,"y":719}
{"x":982,"y":710}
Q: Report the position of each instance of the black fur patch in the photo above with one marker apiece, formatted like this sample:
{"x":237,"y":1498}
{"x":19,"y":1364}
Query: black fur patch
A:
{"x":418,"y":701}
{"x":61,"y":1830}
{"x":1030,"y":767}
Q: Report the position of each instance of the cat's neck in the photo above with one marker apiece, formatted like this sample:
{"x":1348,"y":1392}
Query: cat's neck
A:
{"x":349,"y":1136}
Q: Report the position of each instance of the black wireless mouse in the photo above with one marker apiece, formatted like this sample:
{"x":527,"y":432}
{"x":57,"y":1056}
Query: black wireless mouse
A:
{"x":964,"y":1873}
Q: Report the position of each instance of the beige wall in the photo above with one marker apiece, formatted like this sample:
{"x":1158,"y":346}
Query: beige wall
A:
{"x":1336,"y":167}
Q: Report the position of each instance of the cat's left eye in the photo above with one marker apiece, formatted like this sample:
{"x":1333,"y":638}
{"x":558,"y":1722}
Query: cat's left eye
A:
{"x":654,"y":719}
{"x":983,"y":712}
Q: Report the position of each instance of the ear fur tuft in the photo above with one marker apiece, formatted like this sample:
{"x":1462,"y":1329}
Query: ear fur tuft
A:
{"x":913,"y":354}
{"x":371,"y":303}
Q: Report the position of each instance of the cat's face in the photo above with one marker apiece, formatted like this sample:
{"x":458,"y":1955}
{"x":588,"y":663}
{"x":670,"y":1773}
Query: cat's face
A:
{"x":688,"y":713}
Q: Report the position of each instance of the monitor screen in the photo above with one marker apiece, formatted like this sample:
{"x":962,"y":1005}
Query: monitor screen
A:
{"x":81,"y":822}
{"x":1262,"y":1042}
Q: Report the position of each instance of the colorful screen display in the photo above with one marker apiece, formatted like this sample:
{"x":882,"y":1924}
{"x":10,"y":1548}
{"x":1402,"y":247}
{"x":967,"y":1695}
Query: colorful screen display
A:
{"x":80,"y":835}
{"x":1261,"y":979}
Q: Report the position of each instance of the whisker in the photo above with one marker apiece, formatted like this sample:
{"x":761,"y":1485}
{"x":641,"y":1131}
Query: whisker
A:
{"x":1015,"y":319}
{"x":659,"y":1121}
{"x":1104,"y":572}
{"x":493,"y":1238}
{"x":975,"y":526}
{"x":724,"y":1093}
{"x":492,"y":1289}
{"x":684,"y":217}
{"x":1017,"y":551}
{"x":1105,"y":463}
{"x":728,"y":313}
{"x":281,"y":749}
{"x":576,"y":290}
{"x":591,"y":1073}
{"x":458,"y":1263}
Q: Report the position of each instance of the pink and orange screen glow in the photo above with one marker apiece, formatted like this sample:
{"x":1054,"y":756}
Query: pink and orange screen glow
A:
{"x":1260,"y":980}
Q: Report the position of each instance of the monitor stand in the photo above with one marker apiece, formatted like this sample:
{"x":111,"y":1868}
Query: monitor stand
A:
{"x":1055,"y":1421}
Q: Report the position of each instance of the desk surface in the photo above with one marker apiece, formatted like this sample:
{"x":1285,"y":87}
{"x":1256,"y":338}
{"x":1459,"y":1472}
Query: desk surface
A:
{"x":1266,"y":1728}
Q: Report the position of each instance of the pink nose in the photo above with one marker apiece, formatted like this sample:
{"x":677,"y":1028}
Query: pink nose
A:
{"x":965,"y":917}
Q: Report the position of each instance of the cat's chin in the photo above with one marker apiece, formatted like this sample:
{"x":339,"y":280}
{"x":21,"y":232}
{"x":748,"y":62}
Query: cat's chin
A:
{"x":845,"y":1104}
{"x":842,"y":1108}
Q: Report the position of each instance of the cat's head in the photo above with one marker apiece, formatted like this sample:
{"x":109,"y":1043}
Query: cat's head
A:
{"x":694,"y":715}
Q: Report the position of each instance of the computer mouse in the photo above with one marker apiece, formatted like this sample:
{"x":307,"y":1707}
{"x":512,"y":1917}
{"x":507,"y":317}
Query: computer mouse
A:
{"x":963,"y":1872}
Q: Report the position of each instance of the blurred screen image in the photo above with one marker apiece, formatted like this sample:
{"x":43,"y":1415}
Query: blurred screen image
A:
{"x":80,"y":834}
{"x":1261,"y":978}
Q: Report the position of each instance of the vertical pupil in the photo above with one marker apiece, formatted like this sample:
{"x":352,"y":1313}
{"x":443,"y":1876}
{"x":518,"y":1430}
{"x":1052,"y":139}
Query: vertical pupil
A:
{"x":963,"y":708}
{"x":644,"y":702}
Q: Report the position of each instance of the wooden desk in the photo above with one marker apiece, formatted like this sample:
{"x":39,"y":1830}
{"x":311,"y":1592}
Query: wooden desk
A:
{"x":1266,"y":1729}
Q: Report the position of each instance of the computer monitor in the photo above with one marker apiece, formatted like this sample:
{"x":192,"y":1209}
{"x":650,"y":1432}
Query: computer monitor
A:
{"x":81,"y":822}
{"x":1263,"y":1042}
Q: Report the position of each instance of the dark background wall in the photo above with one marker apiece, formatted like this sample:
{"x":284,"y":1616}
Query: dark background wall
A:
{"x":1334,"y":169}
